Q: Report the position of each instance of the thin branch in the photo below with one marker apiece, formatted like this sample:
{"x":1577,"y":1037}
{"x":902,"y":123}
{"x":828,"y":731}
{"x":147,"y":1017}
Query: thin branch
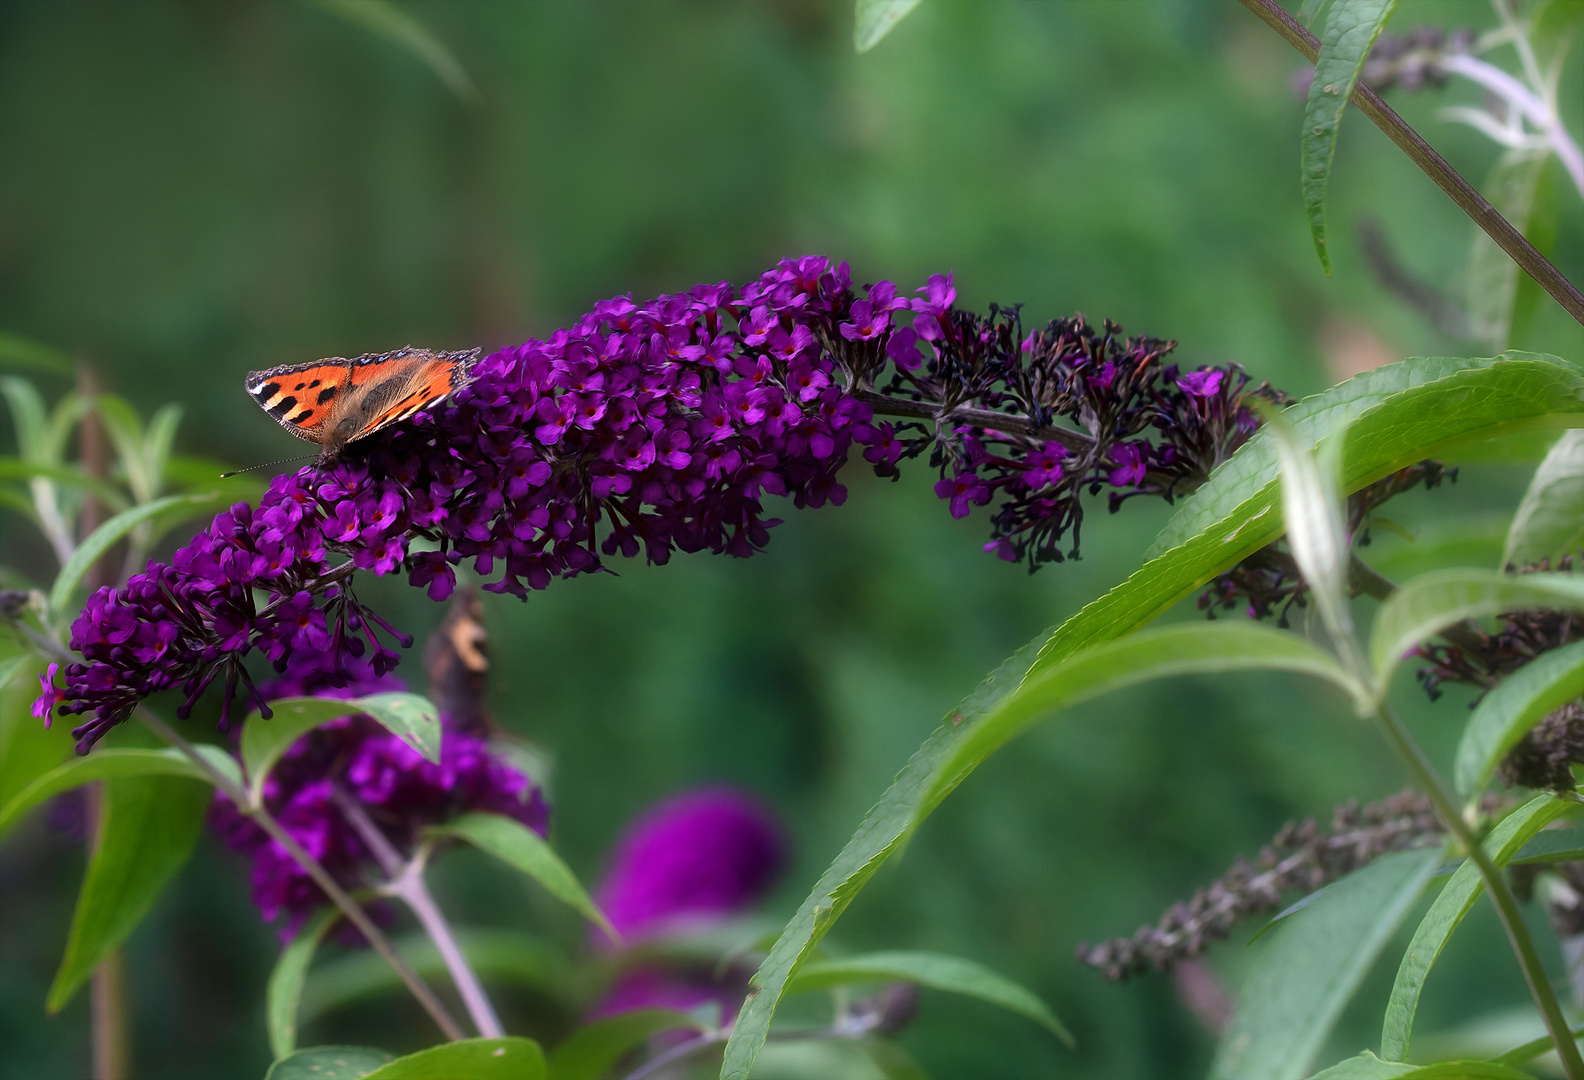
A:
{"x":1076,"y":442}
{"x":1434,"y":165}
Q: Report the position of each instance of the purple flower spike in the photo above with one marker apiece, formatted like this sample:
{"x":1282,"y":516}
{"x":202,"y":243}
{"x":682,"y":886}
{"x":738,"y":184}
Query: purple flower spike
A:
{"x":695,"y":858}
{"x":1202,"y":384}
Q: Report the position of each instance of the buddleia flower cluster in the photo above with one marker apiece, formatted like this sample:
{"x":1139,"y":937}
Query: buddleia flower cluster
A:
{"x":655,"y":428}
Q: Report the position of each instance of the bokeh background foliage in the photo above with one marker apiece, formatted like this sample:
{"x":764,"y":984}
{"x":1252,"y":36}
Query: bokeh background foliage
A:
{"x":193,"y":189}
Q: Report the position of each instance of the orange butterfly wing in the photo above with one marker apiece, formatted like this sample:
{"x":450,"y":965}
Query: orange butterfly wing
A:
{"x":302,"y":397}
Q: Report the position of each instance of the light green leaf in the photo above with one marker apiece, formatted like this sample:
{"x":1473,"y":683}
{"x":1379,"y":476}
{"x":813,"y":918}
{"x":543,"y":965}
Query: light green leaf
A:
{"x":149,"y":827}
{"x":1518,"y":703}
{"x":29,"y":415}
{"x":1456,"y":899}
{"x":1350,"y":33}
{"x":471,"y":1059}
{"x":390,"y":22}
{"x":102,"y":540}
{"x":1009,"y":699}
{"x":503,"y":956}
{"x":1369,"y":1067}
{"x":104,"y":764}
{"x":951,"y":973}
{"x":125,"y":428}
{"x":524,"y":850}
{"x":412,"y":718}
{"x":1429,"y":603}
{"x":329,"y":1063}
{"x":1312,"y":964}
{"x":69,"y":411}
{"x":19,"y":469}
{"x":19,"y":351}
{"x":1399,"y":414}
{"x":158,"y":441}
{"x":285,"y":986}
{"x":593,"y":1049}
{"x":1532,"y":1049}
{"x":1550,"y":519}
{"x":874,"y":19}
{"x":1551,"y":846}
{"x":1492,"y":275}
{"x":1468,"y":540}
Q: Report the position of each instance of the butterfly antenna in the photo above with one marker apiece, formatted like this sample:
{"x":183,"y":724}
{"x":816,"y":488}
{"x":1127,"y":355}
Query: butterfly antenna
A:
{"x":264,"y":465}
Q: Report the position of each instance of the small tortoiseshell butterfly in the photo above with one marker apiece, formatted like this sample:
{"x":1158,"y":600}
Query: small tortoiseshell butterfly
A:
{"x":336,"y":401}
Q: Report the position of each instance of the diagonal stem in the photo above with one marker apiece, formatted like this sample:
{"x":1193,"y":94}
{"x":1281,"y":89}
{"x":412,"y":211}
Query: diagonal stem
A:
{"x":1434,"y":165}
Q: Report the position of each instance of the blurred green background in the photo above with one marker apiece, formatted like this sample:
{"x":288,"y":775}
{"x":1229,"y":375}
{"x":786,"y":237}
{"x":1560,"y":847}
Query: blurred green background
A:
{"x":193,"y":189}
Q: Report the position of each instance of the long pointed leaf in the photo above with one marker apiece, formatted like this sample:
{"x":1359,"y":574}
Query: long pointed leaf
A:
{"x":107,"y":764}
{"x":1351,"y":30}
{"x":20,"y":469}
{"x":1507,"y":713}
{"x":1550,"y":519}
{"x":405,"y":32}
{"x":150,"y":826}
{"x":511,"y":1058}
{"x":19,"y":351}
{"x":329,"y":1063}
{"x":1313,"y":963}
{"x":1455,"y":901}
{"x":411,"y":717}
{"x":285,"y":986}
{"x":1367,"y":1066}
{"x":102,"y":540}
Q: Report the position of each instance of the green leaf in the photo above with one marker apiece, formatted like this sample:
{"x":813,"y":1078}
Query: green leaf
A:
{"x":1468,"y":540}
{"x":1398,"y":414}
{"x":1517,"y":704}
{"x":149,"y":827}
{"x":1009,"y":699}
{"x":1429,"y":603}
{"x":28,"y":749}
{"x":105,"y":764}
{"x":874,"y":19}
{"x":893,"y":1062}
{"x":286,"y":980}
{"x":1492,"y":275}
{"x":1456,"y":899}
{"x":19,"y":469}
{"x":951,"y":973}
{"x":125,"y":428}
{"x":505,"y":956}
{"x":102,"y":540}
{"x":390,"y":22}
{"x":1532,"y":1049}
{"x":1313,"y":963}
{"x":524,"y":850}
{"x":593,"y":1049}
{"x":29,"y":416}
{"x":1350,"y":33}
{"x":1369,"y":1067}
{"x":412,"y":718}
{"x":19,"y":351}
{"x":1550,"y":519}
{"x":329,"y":1063}
{"x":1552,"y":845}
{"x":471,"y":1059}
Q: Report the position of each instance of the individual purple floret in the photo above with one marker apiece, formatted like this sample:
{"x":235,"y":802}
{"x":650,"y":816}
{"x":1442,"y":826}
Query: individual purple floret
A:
{"x":400,"y":791}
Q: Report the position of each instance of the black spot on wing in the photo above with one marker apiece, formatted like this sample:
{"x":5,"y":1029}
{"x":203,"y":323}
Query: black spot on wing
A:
{"x":299,"y":386}
{"x":306,"y":414}
{"x":327,"y":394}
{"x":315,"y":383}
{"x":282,"y":407}
{"x":267,"y":391}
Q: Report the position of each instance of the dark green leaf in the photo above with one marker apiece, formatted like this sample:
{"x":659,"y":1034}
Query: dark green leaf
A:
{"x":1552,"y":845}
{"x":102,"y":540}
{"x":18,"y":351}
{"x":393,"y":24}
{"x":1454,"y":902}
{"x":109,"y":764}
{"x":1312,"y":964}
{"x":874,"y":19}
{"x":329,"y":1063}
{"x":951,"y":973}
{"x":1550,"y":519}
{"x":285,"y":986}
{"x":893,"y":1062}
{"x":1369,"y":1067}
{"x":148,"y":829}
{"x":470,"y":1059}
{"x":524,"y":850}
{"x":1506,"y":714}
{"x":593,"y":1049}
{"x":1399,"y":414}
{"x":1351,"y":30}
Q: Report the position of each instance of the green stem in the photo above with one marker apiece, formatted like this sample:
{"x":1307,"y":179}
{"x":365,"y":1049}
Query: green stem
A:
{"x":1495,"y":885}
{"x":1434,"y":165}
{"x":350,"y":908}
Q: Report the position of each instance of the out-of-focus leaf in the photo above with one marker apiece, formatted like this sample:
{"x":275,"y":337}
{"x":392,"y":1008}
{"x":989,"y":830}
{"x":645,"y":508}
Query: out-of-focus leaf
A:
{"x":1493,"y":276}
{"x":17,"y":469}
{"x":1552,"y":845}
{"x":1555,"y":18}
{"x":1471,"y":540}
{"x":893,"y":1062}
{"x":1350,"y":33}
{"x":1532,"y":1049}
{"x":1454,"y":902}
{"x":68,"y":412}
{"x":1369,"y":1067}
{"x":593,"y":1049}
{"x":19,"y":351}
{"x":412,"y":718}
{"x":285,"y":986}
{"x":149,"y":827}
{"x":329,"y":1063}
{"x":125,"y":428}
{"x":1311,"y":966}
{"x":1399,"y":414}
{"x":940,"y":972}
{"x":1517,"y":704}
{"x":100,"y":541}
{"x":157,"y":443}
{"x":1550,"y":519}
{"x":1427,"y":604}
{"x":390,"y":22}
{"x":504,"y":956}
{"x":874,"y":19}
{"x":29,"y":416}
{"x":524,"y":850}
{"x":106,"y":764}
{"x":471,"y":1059}
{"x":28,"y":749}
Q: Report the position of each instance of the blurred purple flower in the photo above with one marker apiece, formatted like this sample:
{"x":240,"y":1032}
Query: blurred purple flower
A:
{"x":1202,"y":384}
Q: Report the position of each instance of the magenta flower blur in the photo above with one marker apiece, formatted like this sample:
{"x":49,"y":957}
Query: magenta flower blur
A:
{"x":401,"y":791}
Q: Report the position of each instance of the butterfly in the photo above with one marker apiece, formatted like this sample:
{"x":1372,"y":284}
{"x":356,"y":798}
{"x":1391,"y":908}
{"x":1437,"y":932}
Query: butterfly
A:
{"x":336,"y":401}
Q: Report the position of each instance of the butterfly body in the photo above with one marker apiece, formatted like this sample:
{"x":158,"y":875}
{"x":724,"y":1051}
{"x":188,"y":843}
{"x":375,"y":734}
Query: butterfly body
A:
{"x":336,"y":401}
